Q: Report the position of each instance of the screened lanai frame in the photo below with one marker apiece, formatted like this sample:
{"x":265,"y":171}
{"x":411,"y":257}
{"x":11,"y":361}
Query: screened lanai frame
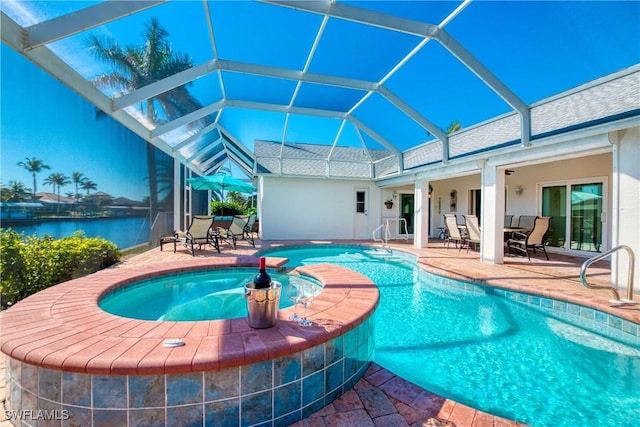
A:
{"x":319,"y":81}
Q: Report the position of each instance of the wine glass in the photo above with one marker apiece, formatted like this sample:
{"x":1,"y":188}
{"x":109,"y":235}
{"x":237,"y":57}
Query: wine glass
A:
{"x":293,"y":292}
{"x":307,"y":296}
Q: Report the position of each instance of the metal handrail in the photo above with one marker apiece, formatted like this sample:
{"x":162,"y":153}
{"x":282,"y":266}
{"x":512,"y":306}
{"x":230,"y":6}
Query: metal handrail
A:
{"x":590,"y":261}
{"x":387,"y":233}
{"x":373,"y":234}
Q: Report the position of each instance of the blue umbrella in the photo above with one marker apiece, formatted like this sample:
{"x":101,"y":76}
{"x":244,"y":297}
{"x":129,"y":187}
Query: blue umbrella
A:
{"x":220,"y":182}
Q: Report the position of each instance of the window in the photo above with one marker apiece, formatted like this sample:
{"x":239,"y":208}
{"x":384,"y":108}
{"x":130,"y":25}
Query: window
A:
{"x":360,"y":202}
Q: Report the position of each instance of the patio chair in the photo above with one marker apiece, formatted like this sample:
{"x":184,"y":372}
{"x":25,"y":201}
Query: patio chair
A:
{"x":453,"y":232}
{"x":522,"y":242}
{"x":507,"y":220}
{"x":507,"y":223}
{"x":526,"y":222}
{"x":199,"y":233}
{"x":236,"y":231}
{"x":248,"y":229}
{"x":473,"y":230}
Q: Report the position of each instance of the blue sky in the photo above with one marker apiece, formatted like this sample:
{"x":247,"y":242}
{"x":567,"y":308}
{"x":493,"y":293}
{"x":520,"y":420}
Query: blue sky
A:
{"x":537,"y":49}
{"x":42,"y":118}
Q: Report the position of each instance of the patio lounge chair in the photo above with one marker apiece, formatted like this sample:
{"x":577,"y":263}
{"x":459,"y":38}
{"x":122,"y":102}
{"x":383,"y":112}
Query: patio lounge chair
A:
{"x":473,"y":230}
{"x":199,"y":233}
{"x":236,"y":231}
{"x":453,"y":232}
{"x":522,"y":242}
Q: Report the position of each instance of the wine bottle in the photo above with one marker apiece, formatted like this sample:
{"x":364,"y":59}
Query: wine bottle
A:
{"x":262,"y":279}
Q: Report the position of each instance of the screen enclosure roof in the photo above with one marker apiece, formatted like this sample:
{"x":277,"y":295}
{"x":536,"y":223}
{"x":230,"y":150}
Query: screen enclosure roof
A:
{"x":316,"y":85}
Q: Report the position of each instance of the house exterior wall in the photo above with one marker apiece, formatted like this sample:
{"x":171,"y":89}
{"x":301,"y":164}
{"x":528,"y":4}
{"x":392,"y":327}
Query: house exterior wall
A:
{"x":528,"y":177}
{"x":441,"y":198}
{"x":310,"y":208}
{"x":627,"y":203}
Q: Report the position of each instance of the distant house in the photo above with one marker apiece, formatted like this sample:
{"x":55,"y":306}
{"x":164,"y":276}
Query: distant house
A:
{"x":11,"y":212}
{"x":121,"y":207}
{"x":50,"y":202}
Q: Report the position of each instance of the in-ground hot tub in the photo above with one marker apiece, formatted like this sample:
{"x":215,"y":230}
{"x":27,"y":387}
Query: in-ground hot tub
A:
{"x":196,"y":295}
{"x":68,"y":359}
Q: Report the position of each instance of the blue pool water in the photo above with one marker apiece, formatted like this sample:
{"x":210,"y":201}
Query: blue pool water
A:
{"x":204,"y":295}
{"x":505,"y":353}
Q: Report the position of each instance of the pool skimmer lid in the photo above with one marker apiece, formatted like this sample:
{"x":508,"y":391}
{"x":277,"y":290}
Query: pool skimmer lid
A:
{"x":173,"y":342}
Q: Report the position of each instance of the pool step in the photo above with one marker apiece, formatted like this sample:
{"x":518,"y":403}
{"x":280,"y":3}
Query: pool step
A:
{"x":388,"y":256}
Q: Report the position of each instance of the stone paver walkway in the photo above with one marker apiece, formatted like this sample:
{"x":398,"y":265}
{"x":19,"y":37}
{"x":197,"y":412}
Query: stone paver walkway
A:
{"x":381,"y":398}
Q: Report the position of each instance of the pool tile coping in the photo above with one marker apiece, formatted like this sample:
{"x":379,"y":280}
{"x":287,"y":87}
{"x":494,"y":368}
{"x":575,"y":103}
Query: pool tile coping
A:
{"x":63,"y":328}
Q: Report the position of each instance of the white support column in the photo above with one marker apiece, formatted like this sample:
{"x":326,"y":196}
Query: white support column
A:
{"x":625,"y":215}
{"x":421,"y":214}
{"x":492,"y":227}
{"x":177,"y":194}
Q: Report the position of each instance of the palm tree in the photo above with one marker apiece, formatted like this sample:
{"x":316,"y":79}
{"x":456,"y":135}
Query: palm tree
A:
{"x":454,"y":126}
{"x":77,"y":178}
{"x":57,"y":180}
{"x":15,"y":192}
{"x":87,"y":184}
{"x":34,"y":166}
{"x":235,"y":197}
{"x":136,"y":67}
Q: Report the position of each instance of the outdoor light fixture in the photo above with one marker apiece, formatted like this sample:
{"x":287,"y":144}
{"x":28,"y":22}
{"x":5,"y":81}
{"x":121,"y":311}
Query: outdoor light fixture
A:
{"x":519,"y":190}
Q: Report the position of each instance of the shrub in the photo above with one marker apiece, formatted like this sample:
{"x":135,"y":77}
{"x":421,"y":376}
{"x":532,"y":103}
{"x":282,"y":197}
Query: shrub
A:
{"x":31,"y":264}
{"x":230,"y":208}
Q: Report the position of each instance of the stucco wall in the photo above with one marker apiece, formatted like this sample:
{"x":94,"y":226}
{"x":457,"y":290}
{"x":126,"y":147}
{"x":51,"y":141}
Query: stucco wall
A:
{"x":628,"y":208}
{"x":307,"y":208}
{"x":441,"y":198}
{"x":528,"y":177}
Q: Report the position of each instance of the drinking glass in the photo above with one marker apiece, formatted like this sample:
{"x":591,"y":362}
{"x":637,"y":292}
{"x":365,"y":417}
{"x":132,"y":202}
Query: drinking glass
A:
{"x":293,"y":292}
{"x":308,"y":293}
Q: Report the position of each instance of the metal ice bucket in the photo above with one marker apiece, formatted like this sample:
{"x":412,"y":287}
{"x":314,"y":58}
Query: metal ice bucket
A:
{"x":262,"y":305}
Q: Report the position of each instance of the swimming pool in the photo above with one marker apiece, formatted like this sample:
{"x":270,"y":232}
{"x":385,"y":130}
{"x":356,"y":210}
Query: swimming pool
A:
{"x":523,"y":357}
{"x":190,"y":296}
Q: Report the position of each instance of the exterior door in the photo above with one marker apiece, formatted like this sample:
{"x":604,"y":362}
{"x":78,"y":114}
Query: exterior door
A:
{"x":406,"y":202}
{"x":577,"y":212}
{"x":361,"y":218}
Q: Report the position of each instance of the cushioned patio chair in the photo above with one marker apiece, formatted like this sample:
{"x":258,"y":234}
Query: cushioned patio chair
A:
{"x":522,"y":242}
{"x":473,"y":230}
{"x":199,"y":233}
{"x":236,"y":231}
{"x":453,"y":232}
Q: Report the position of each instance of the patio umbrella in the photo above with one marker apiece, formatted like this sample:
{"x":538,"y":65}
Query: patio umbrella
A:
{"x":221,"y":182}
{"x":581,"y":196}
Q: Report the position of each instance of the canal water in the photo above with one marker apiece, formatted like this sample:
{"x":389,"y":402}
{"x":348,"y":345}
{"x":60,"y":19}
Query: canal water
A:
{"x":124,"y":232}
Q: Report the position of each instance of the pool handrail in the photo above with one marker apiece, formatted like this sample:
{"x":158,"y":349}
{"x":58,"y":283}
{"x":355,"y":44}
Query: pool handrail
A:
{"x":587,"y":263}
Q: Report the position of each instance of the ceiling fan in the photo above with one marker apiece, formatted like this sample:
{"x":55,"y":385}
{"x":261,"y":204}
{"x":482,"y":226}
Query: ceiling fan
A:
{"x":509,"y":171}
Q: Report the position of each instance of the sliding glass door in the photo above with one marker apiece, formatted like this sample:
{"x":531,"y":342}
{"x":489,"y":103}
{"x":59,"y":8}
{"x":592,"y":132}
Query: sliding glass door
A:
{"x":576,"y":211}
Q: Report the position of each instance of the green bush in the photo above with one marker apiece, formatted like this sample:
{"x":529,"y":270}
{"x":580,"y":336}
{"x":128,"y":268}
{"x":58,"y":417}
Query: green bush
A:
{"x":28,"y":265}
{"x":229,"y":208}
